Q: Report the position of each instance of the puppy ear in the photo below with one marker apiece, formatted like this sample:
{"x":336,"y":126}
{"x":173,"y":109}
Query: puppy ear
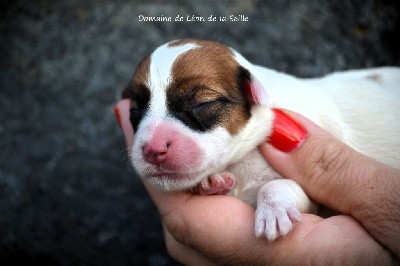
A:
{"x":254,"y":91}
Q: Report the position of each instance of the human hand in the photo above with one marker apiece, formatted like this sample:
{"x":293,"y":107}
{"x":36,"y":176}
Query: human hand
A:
{"x":337,"y":176}
{"x":219,"y":229}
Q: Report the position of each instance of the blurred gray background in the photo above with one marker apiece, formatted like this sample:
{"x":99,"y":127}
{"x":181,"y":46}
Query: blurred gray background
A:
{"x":67,"y":193}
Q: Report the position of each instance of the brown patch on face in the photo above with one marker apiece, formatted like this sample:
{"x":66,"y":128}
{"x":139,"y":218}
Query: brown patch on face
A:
{"x":138,"y":92}
{"x":139,"y":78}
{"x":207,"y":87}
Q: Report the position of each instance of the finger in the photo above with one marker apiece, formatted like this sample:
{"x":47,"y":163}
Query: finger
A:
{"x":221,"y":229}
{"x":122,"y":112}
{"x":321,"y":166}
{"x":328,"y":170}
{"x":184,"y":253}
{"x":337,"y":176}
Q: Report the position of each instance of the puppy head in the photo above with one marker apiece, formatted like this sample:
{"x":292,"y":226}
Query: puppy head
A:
{"x":191,"y":103}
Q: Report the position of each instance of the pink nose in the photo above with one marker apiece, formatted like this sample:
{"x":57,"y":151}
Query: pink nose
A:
{"x":155,"y":153}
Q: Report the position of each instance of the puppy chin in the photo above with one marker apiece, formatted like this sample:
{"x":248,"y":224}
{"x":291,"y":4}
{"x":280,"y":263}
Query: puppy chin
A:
{"x":166,"y":179}
{"x":173,"y":182}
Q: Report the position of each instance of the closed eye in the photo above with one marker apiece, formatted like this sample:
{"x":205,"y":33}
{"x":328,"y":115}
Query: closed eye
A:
{"x":206,"y":114}
{"x":212,"y":103}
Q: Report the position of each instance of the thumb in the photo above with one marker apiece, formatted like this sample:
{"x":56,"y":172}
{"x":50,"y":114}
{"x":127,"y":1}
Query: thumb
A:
{"x":329,"y":171}
{"x":337,"y":176}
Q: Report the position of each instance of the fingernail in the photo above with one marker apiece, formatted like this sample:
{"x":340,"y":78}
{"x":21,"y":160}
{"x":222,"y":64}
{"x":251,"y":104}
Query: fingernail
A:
{"x":117,"y":116}
{"x":287,"y":134}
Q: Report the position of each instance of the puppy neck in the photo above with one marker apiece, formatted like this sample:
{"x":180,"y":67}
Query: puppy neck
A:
{"x":257,"y":130}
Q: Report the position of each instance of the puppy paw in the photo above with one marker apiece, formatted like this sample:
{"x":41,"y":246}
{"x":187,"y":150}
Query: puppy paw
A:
{"x":276,"y":211}
{"x":275,"y":219}
{"x":218,"y":184}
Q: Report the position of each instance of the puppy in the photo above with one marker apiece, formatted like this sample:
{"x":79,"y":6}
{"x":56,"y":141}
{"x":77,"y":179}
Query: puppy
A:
{"x":199,"y":110}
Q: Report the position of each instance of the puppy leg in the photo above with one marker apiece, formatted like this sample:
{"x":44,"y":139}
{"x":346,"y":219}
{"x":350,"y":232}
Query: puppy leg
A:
{"x":219,"y":183}
{"x":279,"y":203}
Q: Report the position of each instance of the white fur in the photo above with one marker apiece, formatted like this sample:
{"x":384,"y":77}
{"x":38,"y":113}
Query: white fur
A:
{"x":160,"y":75}
{"x":361,"y":108}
